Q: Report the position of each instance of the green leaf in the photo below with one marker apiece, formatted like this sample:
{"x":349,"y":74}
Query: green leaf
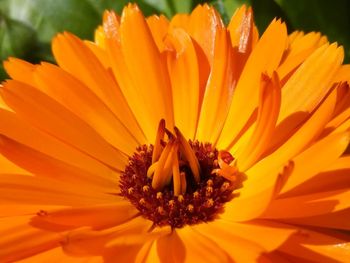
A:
{"x":3,"y":74}
{"x":265,"y":11}
{"x":162,"y":6}
{"x":16,"y":38}
{"x":102,"y":5}
{"x":48,"y":17}
{"x":331,"y":18}
{"x":232,"y":5}
{"x":181,"y":6}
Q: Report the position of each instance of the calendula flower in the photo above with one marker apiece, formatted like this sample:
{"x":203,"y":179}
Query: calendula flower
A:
{"x":177,"y":141}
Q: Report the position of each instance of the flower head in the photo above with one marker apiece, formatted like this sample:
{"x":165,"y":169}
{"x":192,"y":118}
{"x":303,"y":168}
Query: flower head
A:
{"x":177,"y":141}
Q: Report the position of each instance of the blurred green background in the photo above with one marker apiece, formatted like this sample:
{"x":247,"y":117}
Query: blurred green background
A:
{"x":27,"y":26}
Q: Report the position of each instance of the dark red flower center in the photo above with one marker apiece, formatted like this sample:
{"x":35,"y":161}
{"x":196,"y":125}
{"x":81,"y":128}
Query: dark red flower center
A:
{"x":201,"y":201}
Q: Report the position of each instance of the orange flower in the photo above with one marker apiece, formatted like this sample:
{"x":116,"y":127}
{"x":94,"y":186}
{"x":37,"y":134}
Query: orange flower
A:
{"x":177,"y":141}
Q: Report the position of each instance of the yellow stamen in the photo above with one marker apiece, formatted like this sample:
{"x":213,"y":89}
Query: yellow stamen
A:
{"x":228,"y":171}
{"x":176,"y":177}
{"x":189,"y":155}
{"x":163,"y":172}
{"x":151,"y":169}
{"x":157,"y":150}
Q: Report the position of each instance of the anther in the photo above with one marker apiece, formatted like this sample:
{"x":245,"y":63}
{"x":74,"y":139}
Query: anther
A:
{"x":208,"y":190}
{"x":142,"y":201}
{"x":196,"y":195}
{"x":159,"y":195}
{"x":130,"y":190}
{"x":180,"y":198}
{"x":171,"y":203}
{"x":160,"y":210}
{"x":190,"y":208}
{"x":210,"y":182}
{"x":211,"y":155}
{"x":209,"y":203}
{"x":145,"y":188}
{"x":225,"y":186}
{"x":134,"y":176}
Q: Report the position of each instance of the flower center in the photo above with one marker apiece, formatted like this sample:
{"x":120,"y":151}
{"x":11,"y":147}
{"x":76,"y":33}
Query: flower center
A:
{"x":178,"y":182}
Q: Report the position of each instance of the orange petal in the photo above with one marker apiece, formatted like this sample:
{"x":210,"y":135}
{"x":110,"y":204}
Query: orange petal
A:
{"x":99,"y":37}
{"x":152,"y":81}
{"x":86,"y":242}
{"x":7,"y":210}
{"x":300,"y":49}
{"x":53,"y":118}
{"x":253,"y":199}
{"x":336,"y":220}
{"x":317,"y":247}
{"x":99,"y":53}
{"x":7,"y":166}
{"x":171,"y":248}
{"x":264,"y":171}
{"x":88,"y":107}
{"x":159,"y":28}
{"x":43,"y":165}
{"x":141,"y":104}
{"x":270,"y":99}
{"x":20,"y":70}
{"x":265,"y":57}
{"x":229,"y":243}
{"x":335,"y":177}
{"x":180,"y":21}
{"x":13,"y":128}
{"x":199,"y":246}
{"x":24,"y":189}
{"x":203,"y":24}
{"x":308,"y":205}
{"x":129,"y":253}
{"x":241,"y":28}
{"x":59,"y":256}
{"x":263,"y":233}
{"x":338,"y":124}
{"x":73,"y":56}
{"x":95,"y":216}
{"x":184,"y":75}
{"x":20,"y":240}
{"x":315,"y":159}
{"x":310,"y":83}
{"x":343,"y":74}
{"x":218,"y":92}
